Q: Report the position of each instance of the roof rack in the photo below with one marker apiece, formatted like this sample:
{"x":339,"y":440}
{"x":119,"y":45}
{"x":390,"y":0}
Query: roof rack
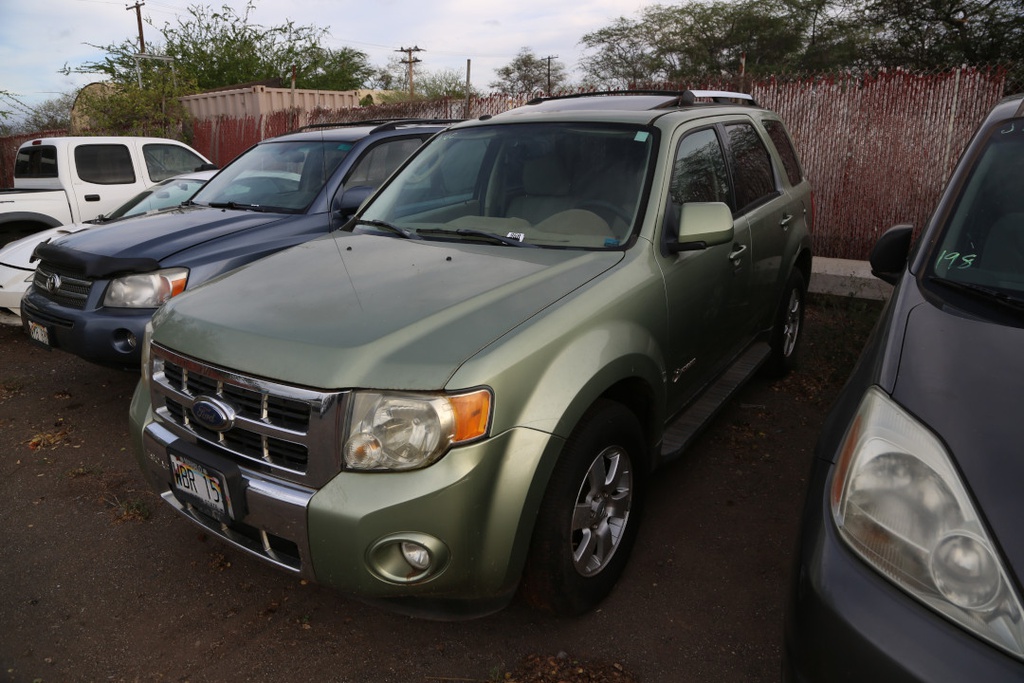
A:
{"x":380,"y":124}
{"x":682,"y":98}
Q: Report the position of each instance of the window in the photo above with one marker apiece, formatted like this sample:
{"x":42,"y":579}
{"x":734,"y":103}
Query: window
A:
{"x":36,"y":162}
{"x":381,"y":161}
{"x":777,"y":132}
{"x":164,"y":161}
{"x":699,"y":174}
{"x":751,"y":165}
{"x":105,"y":164}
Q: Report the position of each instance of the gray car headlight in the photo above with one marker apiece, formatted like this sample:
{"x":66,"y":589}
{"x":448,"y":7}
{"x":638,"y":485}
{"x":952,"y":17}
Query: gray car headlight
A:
{"x":146,"y":290}
{"x":403,"y":431}
{"x":899,"y":502}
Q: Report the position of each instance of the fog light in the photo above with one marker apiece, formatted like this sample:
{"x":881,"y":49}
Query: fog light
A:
{"x":416,"y":555}
{"x":125,"y":341}
{"x":408,"y":557}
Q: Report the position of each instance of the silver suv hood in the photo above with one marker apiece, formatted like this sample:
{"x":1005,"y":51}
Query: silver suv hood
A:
{"x":357,"y":310}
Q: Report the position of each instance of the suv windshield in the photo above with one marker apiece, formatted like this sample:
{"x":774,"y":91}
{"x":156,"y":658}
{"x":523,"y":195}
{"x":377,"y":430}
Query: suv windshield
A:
{"x":275,"y":176}
{"x":549,"y":185}
{"x":163,"y":195}
{"x":981,"y":250}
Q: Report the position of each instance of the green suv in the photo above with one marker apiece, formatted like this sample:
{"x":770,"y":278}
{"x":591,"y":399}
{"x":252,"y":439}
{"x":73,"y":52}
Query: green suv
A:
{"x":464,"y":390}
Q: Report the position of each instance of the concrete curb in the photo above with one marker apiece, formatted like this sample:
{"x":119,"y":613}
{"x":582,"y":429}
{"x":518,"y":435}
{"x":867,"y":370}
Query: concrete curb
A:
{"x":845,"y":277}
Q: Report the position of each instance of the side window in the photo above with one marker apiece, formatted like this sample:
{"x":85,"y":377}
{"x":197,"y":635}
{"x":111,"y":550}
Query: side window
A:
{"x":784,"y":145}
{"x":751,"y":165}
{"x":381,"y":161}
{"x":699,"y":173}
{"x":164,"y":161}
{"x":104,"y":164}
{"x":36,"y":162}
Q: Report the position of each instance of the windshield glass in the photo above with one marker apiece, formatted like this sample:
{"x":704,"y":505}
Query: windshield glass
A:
{"x":283,"y":176}
{"x":983,"y":243}
{"x":163,"y":195}
{"x":548,"y":185}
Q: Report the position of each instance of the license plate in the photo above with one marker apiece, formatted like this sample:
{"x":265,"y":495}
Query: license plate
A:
{"x":39,"y":333}
{"x":201,"y":485}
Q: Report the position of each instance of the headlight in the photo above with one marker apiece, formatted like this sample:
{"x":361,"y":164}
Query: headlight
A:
{"x":391,"y":431}
{"x":898,"y":501}
{"x":146,"y":290}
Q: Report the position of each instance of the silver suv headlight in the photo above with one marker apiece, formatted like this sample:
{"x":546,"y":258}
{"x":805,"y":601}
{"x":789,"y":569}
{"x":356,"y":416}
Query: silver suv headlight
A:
{"x":899,"y":502}
{"x":146,"y":290}
{"x":403,"y":431}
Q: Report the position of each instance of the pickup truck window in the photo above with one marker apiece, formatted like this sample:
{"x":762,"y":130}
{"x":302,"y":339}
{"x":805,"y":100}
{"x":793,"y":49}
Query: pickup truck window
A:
{"x":164,"y":161}
{"x":36,"y":162}
{"x":104,"y":164}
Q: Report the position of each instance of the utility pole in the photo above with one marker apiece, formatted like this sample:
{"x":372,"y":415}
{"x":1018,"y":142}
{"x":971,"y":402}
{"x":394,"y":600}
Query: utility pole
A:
{"x":410,"y":61}
{"x":138,"y":16}
{"x":549,"y":58}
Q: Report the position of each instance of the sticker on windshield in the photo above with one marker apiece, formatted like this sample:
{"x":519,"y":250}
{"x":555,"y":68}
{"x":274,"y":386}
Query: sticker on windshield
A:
{"x":641,"y":136}
{"x":517,"y":236}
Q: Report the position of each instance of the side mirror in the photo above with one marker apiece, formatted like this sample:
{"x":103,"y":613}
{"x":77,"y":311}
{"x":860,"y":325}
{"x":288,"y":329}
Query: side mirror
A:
{"x":889,"y":255}
{"x":349,"y":201}
{"x":703,"y":225}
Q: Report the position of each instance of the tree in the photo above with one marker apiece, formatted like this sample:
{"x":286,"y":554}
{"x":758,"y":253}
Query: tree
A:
{"x":51,"y":114}
{"x":442,"y":83}
{"x":208,"y":49}
{"x":528,"y":74}
{"x":944,"y":32}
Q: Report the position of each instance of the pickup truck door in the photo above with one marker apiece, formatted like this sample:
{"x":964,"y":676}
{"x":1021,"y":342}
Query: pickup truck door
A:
{"x":102,"y":177}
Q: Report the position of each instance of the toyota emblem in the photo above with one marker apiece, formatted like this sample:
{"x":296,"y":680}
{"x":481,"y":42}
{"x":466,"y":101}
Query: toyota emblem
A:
{"x":52,"y":283}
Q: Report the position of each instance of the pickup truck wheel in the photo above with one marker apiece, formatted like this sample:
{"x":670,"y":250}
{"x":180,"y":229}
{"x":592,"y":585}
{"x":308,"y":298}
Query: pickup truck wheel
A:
{"x":788,"y":324}
{"x":590,"y":513}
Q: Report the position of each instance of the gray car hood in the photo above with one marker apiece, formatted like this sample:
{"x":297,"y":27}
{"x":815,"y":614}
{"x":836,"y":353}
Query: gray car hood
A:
{"x":359,"y":310}
{"x":961,"y":377}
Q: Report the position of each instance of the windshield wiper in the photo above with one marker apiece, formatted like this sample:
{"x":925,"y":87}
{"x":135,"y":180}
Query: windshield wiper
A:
{"x":988,"y":293}
{"x":478,"y":234}
{"x":390,"y":227}
{"x":235,"y":206}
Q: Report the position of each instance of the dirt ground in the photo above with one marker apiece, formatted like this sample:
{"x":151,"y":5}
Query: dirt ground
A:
{"x":101,"y":581}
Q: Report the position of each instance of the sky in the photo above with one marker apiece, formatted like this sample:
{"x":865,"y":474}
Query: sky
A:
{"x":39,"y":37}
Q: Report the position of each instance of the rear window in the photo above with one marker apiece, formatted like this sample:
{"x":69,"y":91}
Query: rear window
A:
{"x":780,"y":138}
{"x":105,"y":164}
{"x":36,"y":162}
{"x":751,"y":164}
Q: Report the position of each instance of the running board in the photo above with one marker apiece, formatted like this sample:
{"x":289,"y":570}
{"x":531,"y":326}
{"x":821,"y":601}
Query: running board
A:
{"x":695,"y":418}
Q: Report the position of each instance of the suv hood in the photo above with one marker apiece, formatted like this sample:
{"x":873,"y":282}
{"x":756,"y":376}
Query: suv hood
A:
{"x":960,"y":376}
{"x":359,"y":310}
{"x":160,"y":235}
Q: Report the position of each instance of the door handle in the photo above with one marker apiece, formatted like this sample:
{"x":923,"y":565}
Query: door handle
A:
{"x":738,"y":250}
{"x":784,"y":223}
{"x":92,"y":197}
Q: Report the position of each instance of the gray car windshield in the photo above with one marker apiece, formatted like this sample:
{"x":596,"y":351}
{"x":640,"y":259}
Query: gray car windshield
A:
{"x":543,"y":185}
{"x":275,"y":176}
{"x":981,"y":251}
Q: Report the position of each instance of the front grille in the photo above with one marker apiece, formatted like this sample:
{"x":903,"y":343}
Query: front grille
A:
{"x":290,"y":432}
{"x":61,"y":285}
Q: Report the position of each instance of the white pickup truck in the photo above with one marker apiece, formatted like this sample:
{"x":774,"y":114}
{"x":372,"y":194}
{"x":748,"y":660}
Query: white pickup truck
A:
{"x":64,"y":180}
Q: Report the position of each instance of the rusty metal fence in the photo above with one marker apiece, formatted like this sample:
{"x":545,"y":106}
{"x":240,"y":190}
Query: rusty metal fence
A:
{"x":878,"y":147}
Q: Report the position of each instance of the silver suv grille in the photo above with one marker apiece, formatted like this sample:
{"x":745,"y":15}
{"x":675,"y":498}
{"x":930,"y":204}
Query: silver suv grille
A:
{"x":290,"y":432}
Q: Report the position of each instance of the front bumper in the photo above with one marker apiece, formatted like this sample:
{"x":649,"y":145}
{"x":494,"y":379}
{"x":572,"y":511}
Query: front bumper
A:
{"x":110,"y":337}
{"x":845,"y":622}
{"x":474,"y":509}
{"x":14,"y":283}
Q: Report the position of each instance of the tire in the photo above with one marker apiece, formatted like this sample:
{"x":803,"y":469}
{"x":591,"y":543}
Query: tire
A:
{"x":590,"y":513}
{"x":789,"y":322}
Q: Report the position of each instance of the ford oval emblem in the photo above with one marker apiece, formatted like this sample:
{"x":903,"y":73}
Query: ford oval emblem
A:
{"x":213,"y":414}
